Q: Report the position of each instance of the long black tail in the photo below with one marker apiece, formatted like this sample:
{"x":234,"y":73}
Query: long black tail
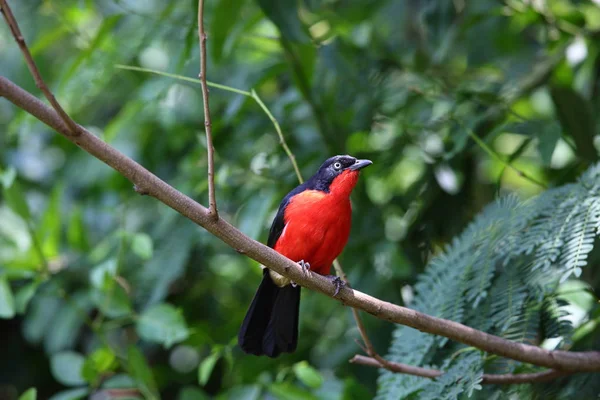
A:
{"x":271,"y":323}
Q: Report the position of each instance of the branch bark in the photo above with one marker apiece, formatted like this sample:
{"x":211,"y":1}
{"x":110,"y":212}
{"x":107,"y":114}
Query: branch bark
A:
{"x":212,"y":202}
{"x":155,"y":187}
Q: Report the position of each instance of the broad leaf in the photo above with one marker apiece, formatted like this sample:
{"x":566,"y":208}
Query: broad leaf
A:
{"x":225,"y":17}
{"x":7,"y":301}
{"x":577,"y":119}
{"x":284,"y":13}
{"x":163,"y":324}
{"x":30,"y":394}
{"x":308,"y":375}
{"x":206,"y":367}
{"x":141,"y":372}
{"x":66,"y":368}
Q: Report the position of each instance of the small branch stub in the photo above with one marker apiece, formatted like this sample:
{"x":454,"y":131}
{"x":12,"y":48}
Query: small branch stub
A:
{"x":141,"y":191}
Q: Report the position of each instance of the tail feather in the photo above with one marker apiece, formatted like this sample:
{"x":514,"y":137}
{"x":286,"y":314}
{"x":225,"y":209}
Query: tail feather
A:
{"x":271,"y":323}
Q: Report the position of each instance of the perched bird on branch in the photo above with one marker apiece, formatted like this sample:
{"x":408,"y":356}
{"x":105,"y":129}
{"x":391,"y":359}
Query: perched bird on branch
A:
{"x":311,"y":227}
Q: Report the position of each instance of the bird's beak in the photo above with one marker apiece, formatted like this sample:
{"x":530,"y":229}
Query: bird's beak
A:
{"x":360,"y":164}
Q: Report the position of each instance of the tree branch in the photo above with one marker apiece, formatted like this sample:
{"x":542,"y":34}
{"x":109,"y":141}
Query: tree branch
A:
{"x":212,"y":201}
{"x":39,"y":82}
{"x":155,"y":187}
{"x":495,"y":379}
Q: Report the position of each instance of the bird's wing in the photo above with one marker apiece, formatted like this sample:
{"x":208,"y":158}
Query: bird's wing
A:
{"x":278,"y":224}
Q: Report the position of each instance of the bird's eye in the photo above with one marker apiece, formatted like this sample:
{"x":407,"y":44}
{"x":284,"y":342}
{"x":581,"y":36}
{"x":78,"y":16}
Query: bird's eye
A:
{"x":337,"y":165}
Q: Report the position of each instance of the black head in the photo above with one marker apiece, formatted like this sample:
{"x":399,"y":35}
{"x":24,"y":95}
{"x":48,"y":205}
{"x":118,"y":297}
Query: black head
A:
{"x":332,"y":168}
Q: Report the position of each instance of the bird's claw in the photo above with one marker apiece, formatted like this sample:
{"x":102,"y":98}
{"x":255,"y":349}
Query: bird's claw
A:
{"x":305,"y":268}
{"x":337,"y":282}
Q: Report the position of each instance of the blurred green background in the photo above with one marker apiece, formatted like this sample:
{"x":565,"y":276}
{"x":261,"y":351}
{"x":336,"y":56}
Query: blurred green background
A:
{"x":100,"y":287}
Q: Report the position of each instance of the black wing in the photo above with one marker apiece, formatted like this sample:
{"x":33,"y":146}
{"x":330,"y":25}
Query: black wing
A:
{"x":278,"y":223}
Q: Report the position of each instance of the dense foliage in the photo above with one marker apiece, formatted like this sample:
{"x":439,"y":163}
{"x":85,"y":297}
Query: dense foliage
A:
{"x":457,"y":103}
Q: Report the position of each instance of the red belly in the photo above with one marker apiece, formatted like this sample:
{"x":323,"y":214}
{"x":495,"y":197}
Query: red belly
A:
{"x":317,"y":226}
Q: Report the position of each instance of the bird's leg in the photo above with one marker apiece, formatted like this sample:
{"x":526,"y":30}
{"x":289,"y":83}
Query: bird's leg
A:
{"x":337,"y":282}
{"x":305,"y":268}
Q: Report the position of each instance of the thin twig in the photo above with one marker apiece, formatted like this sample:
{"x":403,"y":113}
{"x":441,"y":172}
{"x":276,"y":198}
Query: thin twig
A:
{"x":494,"y":379}
{"x":183,"y":78}
{"x":212,"y":201}
{"x":252,"y":94}
{"x":39,"y":82}
{"x":370,"y":349}
{"x":279,"y":133}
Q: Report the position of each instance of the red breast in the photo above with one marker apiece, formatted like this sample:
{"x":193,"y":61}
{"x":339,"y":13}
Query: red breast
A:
{"x":317,"y":224}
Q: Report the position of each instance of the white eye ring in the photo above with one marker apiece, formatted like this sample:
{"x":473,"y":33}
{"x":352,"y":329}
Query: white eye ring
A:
{"x":337,"y":165}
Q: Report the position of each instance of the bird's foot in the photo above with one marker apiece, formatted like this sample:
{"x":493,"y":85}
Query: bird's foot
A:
{"x":305,"y":268}
{"x":337,"y":282}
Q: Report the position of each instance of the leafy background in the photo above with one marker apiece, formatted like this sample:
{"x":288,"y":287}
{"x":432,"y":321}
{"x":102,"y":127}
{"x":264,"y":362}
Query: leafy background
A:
{"x":100,"y":287}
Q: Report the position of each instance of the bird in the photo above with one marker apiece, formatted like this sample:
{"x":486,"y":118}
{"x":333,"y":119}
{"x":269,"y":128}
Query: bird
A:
{"x":311,"y":227}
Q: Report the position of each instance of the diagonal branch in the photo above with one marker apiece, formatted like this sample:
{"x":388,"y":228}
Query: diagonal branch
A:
{"x":39,"y":82}
{"x":212,"y":201}
{"x":154,"y":186}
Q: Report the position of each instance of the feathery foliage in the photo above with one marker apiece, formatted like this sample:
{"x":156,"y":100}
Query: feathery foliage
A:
{"x":501,"y":275}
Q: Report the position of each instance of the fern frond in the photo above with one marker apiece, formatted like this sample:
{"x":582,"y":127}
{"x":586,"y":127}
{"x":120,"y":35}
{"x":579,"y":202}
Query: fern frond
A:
{"x":508,"y":298}
{"x":463,"y":375}
{"x":554,"y":319}
{"x":579,"y":239}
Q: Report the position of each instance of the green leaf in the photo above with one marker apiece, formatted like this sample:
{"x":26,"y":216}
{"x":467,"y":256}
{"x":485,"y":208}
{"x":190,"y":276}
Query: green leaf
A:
{"x":30,"y":394}
{"x":50,"y":226}
{"x":24,"y":296}
{"x":141,"y":245}
{"x":7,"y":301}
{"x":308,"y":375}
{"x":206,"y":367}
{"x":141,"y":372}
{"x":66,"y":368}
{"x":246,"y":392}
{"x":8,"y":177}
{"x":225,"y":16}
{"x":576,"y":117}
{"x":354,"y":390}
{"x":62,"y":329}
{"x":72,"y":394}
{"x":288,"y":391}
{"x":107,"y":294}
{"x":163,"y":324}
{"x":100,"y":361}
{"x":192,"y":393}
{"x":112,"y":300}
{"x":15,"y":199}
{"x":284,"y":14}
{"x":105,"y":30}
{"x":76,"y":230}
{"x":548,"y":138}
